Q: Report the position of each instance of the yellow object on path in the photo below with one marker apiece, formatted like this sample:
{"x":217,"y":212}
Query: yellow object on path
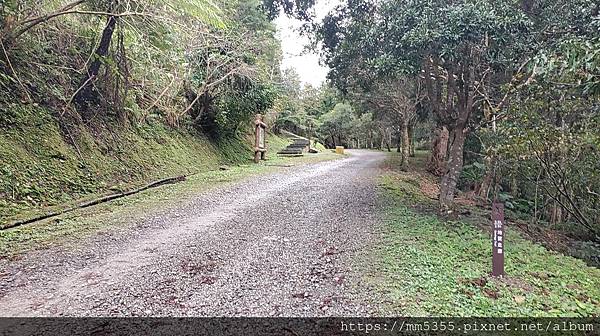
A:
{"x":339,"y":149}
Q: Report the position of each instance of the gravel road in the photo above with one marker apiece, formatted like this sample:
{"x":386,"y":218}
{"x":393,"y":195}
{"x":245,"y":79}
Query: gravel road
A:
{"x":284,"y":244}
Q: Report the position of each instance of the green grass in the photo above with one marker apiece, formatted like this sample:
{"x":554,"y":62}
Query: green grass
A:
{"x":43,"y":167}
{"x":319,"y":146}
{"x":427,"y":266}
{"x":68,"y":230}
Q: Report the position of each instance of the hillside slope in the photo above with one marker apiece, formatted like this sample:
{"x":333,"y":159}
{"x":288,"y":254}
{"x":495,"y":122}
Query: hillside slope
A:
{"x":43,"y":164}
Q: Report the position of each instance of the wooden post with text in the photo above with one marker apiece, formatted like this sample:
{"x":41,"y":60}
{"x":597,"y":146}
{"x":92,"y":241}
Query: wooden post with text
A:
{"x":498,"y":243}
{"x":260,"y":146}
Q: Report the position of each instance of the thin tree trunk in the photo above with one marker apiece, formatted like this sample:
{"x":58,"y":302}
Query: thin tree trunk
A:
{"x":453,"y":169}
{"x":86,"y":92}
{"x":388,"y":140}
{"x":405,"y":146}
{"x":411,"y":136}
{"x":486,"y":183}
{"x":514,"y":186}
{"x":535,"y":198}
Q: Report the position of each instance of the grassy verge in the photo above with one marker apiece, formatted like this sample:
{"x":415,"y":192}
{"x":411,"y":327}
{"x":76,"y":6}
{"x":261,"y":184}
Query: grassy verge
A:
{"x":71,"y":228}
{"x":427,"y":266}
{"x":46,"y":165}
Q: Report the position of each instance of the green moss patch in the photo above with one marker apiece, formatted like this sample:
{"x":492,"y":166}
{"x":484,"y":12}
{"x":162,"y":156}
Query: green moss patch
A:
{"x":43,"y":166}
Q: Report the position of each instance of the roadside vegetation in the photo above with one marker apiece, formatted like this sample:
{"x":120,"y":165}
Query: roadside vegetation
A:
{"x":100,"y":97}
{"x":481,"y":100}
{"x":430,"y":266}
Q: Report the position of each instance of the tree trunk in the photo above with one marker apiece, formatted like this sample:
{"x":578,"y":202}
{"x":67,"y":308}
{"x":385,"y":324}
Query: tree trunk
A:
{"x":439,"y":149}
{"x":388,"y":141}
{"x":412,"y":140}
{"x":86,"y":88}
{"x":555,"y":213}
{"x":514,"y":186}
{"x":453,"y":169}
{"x":486,"y":184}
{"x":405,"y":146}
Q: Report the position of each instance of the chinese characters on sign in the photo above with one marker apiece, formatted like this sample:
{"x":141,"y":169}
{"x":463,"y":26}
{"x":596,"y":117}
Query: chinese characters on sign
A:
{"x":498,"y":243}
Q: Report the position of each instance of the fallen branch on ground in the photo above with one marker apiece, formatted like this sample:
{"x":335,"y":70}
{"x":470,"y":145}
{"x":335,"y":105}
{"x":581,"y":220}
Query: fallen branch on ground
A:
{"x":170,"y":180}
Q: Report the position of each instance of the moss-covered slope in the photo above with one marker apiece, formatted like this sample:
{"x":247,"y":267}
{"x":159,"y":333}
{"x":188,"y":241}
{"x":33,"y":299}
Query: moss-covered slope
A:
{"x":43,"y":164}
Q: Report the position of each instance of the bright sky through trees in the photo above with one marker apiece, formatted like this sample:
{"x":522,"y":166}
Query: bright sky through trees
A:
{"x":305,"y":63}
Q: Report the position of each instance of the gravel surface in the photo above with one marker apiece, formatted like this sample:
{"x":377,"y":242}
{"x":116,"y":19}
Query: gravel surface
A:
{"x":284,"y":244}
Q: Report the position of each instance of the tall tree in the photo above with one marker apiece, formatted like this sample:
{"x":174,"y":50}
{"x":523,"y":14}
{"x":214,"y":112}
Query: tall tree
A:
{"x":454,"y":46}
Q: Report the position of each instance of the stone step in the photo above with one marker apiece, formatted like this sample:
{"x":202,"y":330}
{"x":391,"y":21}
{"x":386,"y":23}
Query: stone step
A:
{"x":297,"y":147}
{"x":287,"y":151}
{"x":292,"y":155}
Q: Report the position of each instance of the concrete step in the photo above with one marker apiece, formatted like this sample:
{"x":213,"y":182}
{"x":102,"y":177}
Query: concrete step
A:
{"x":290,"y":151}
{"x":296,"y":148}
{"x":291,"y":155}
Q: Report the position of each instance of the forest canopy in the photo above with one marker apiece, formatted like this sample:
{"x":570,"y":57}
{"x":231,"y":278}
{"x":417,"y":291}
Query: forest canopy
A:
{"x":205,"y":62}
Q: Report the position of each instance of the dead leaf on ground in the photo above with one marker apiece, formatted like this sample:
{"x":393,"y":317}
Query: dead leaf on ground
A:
{"x":491,"y":293}
{"x":519,"y":299}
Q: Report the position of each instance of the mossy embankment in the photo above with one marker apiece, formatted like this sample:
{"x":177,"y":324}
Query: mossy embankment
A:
{"x":46,"y":165}
{"x":432,"y":266}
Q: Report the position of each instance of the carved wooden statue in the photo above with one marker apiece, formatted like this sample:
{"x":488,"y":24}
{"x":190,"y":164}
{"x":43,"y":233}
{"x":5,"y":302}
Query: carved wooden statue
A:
{"x":260,"y":145}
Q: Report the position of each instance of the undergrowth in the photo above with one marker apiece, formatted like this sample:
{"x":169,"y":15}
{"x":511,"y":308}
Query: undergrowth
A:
{"x":428,"y":266}
{"x":44,"y":165}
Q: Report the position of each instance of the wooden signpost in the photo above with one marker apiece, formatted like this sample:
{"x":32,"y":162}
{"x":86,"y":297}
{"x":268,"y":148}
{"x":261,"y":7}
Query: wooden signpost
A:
{"x":498,"y":243}
{"x":260,"y":146}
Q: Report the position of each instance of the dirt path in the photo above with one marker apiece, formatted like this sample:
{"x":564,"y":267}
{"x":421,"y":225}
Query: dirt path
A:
{"x":281,"y":247}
